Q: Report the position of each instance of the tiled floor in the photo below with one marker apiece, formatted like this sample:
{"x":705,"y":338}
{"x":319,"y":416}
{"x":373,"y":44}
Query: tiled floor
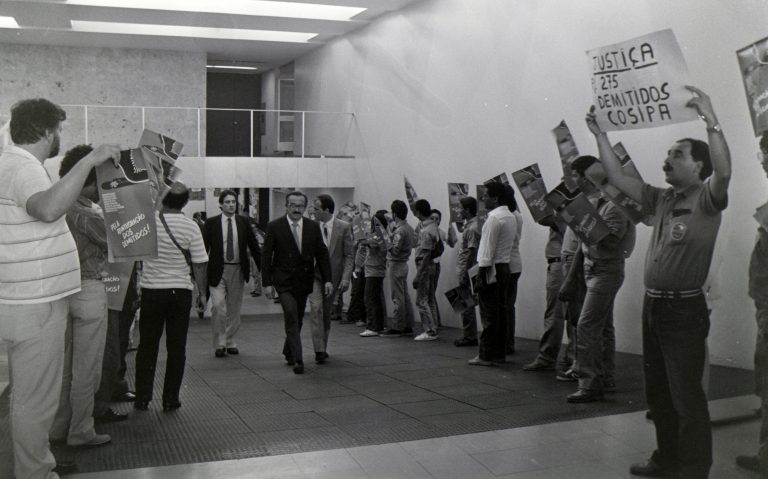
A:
{"x":594,"y":448}
{"x":382,"y":407}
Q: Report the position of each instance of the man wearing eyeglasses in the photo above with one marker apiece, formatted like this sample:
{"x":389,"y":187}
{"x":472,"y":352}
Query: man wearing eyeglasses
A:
{"x":293,"y":248}
{"x":758,"y":291}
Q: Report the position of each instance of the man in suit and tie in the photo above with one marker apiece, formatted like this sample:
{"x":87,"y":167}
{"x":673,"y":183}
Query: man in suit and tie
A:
{"x":227,"y":238}
{"x":293,"y":251}
{"x":337,"y":236}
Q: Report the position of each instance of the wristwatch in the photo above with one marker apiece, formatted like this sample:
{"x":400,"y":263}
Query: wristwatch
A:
{"x":715,"y":128}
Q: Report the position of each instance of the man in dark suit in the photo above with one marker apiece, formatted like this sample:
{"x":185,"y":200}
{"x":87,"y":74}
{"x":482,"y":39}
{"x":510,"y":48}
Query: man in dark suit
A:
{"x":337,"y":236}
{"x":293,"y":248}
{"x":227,"y":238}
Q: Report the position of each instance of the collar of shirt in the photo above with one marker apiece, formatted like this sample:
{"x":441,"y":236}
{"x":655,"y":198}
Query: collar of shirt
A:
{"x":500,"y":211}
{"x":329,"y":225}
{"x":671,"y":193}
{"x":21,"y":152}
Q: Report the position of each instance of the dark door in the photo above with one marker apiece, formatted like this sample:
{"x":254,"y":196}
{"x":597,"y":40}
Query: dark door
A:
{"x":228,"y":133}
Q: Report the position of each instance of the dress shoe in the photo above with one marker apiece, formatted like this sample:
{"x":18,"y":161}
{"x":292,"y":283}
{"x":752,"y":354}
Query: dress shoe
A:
{"x":127,"y":396}
{"x":567,"y":376}
{"x":476,"y":361}
{"x":96,"y":441}
{"x":585,"y":395}
{"x":171,"y":405}
{"x":321,"y":357}
{"x":220,"y":352}
{"x":64,"y":468}
{"x":650,"y":468}
{"x":299,"y":368}
{"x":539,"y":366}
{"x":465,"y":342}
{"x":233,"y":351}
{"x":750,"y":463}
{"x":110,"y":416}
{"x":141,"y":405}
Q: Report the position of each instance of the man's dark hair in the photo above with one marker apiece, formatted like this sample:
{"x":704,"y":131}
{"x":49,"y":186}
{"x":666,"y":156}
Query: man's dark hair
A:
{"x":176,"y":199}
{"x":224,"y":193}
{"x":422,"y":207}
{"x":32,"y":119}
{"x":326,"y":203}
{"x":433,"y":211}
{"x":764,"y":142}
{"x":581,"y":164}
{"x":494,"y":189}
{"x":399,"y":209}
{"x":469,"y":203}
{"x":296,"y":193}
{"x":511,"y":201}
{"x":71,"y":158}
{"x":700,"y":152}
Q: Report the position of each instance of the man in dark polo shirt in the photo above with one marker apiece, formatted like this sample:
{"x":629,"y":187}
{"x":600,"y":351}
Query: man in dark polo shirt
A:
{"x":758,"y":291}
{"x":685,"y":219}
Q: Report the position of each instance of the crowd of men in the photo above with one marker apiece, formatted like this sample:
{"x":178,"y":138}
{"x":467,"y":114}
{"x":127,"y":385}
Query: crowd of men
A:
{"x":64,"y":337}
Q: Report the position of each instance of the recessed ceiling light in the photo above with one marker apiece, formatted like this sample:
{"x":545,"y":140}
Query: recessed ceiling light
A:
{"x":264,"y":8}
{"x":193,"y":32}
{"x":232,"y":67}
{"x":8,"y":22}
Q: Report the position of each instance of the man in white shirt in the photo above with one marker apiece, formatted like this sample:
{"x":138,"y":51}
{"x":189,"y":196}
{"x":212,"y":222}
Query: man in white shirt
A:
{"x":493,"y":257}
{"x":40,"y":270}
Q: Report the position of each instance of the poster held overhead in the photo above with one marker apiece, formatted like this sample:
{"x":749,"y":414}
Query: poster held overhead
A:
{"x":532,"y":187}
{"x":457,"y":191}
{"x":753,"y":64}
{"x":410,"y":193}
{"x":640,"y":83}
{"x":161,"y":153}
{"x":129,"y":215}
{"x":577,"y":212}
{"x":566,"y":147}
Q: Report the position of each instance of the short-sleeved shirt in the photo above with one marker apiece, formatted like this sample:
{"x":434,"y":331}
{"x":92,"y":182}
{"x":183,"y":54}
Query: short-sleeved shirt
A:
{"x":470,"y":241}
{"x":621,"y":227}
{"x":497,"y":237}
{"x":170,"y":270}
{"x":403,"y":241}
{"x":428,"y":238}
{"x":87,"y":227}
{"x":685,"y":229}
{"x":39,"y":260}
{"x":570,"y":243}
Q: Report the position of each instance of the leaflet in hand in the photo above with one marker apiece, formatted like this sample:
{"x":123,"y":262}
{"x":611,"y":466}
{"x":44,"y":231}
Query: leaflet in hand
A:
{"x":578,"y":213}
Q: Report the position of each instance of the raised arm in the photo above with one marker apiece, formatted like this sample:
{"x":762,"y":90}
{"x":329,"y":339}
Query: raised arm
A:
{"x":630,"y":185}
{"x":718,"y":147}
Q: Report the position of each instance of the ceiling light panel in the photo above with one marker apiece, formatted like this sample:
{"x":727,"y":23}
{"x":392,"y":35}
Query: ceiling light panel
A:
{"x":192,"y":32}
{"x":262,"y":8}
{"x":8,"y":22}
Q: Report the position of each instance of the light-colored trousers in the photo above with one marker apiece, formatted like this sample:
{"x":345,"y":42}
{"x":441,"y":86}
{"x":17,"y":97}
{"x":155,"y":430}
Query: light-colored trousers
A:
{"x":34,"y":334}
{"x":83,"y":352}
{"x":320,"y":308}
{"x":227,"y":300}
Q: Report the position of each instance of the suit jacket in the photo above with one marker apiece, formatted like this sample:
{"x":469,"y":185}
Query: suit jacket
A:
{"x":214,"y":244}
{"x":287,"y":269}
{"x":340,"y":252}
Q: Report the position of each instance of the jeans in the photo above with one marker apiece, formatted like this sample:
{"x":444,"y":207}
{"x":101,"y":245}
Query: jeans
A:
{"x":554,"y":321}
{"x":433,"y":294}
{"x":34,"y":335}
{"x":674,"y":337}
{"x":162,"y":309}
{"x":110,"y":364}
{"x":425,"y":300}
{"x":761,"y":379}
{"x":469,"y":320}
{"x":374,"y":292}
{"x":494,"y":316}
{"x":402,"y":316}
{"x":596,"y":344}
{"x":83,"y":352}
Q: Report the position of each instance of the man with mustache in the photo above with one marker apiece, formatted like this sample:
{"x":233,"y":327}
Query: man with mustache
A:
{"x":685,"y":218}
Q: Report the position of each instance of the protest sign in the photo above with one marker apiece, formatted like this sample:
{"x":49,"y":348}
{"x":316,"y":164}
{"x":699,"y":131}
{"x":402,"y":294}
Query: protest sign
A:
{"x":126,"y":200}
{"x":640,"y":83}
{"x":566,"y":147}
{"x":482,"y":212}
{"x":457,"y":191}
{"x":360,"y":227}
{"x":629,"y":207}
{"x":578,"y":213}
{"x":116,"y":283}
{"x":460,"y":298}
{"x":626,"y":162}
{"x":532,"y":187}
{"x":410,"y":193}
{"x":161,"y":153}
{"x":753,"y":64}
{"x":500,"y":178}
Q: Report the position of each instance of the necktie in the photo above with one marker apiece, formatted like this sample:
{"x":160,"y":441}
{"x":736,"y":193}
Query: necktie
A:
{"x":325,"y":233}
{"x":296,"y":235}
{"x":230,"y":255}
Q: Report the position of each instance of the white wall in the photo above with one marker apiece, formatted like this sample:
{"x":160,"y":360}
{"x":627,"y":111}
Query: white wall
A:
{"x":453,"y":90}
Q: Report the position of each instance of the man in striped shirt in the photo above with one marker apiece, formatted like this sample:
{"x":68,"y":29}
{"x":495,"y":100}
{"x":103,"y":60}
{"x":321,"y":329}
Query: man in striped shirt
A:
{"x":40,"y":270}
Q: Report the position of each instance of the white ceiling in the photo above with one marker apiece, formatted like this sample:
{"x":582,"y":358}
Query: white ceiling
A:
{"x":47,"y":22}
